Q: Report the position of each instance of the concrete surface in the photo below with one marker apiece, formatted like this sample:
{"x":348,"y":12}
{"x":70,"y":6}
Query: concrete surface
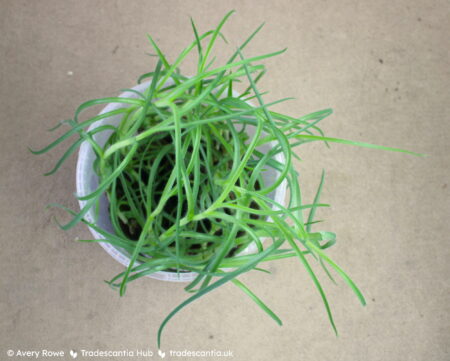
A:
{"x":383,"y":66}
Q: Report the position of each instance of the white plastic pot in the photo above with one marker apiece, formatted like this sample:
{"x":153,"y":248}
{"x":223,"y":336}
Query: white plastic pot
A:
{"x":87,"y":182}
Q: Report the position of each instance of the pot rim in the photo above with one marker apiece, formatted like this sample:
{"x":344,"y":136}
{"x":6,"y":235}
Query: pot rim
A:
{"x":114,"y":252}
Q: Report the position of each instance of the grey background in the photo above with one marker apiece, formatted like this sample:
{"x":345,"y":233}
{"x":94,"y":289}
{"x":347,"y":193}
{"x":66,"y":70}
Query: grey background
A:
{"x":383,"y":66}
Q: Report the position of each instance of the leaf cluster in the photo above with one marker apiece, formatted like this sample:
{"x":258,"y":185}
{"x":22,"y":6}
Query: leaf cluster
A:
{"x":184,"y":174}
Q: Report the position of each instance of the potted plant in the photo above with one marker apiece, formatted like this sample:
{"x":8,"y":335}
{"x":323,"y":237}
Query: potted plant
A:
{"x":183,"y":178}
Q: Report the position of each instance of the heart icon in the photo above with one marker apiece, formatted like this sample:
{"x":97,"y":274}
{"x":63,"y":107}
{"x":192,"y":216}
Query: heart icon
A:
{"x":73,"y":353}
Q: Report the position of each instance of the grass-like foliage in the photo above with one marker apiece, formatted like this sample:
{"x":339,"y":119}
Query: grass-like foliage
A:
{"x":184,"y":176}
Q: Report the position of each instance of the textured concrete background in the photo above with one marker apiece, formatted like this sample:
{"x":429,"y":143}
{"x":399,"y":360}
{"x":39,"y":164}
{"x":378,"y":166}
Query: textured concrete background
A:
{"x":383,"y":66}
